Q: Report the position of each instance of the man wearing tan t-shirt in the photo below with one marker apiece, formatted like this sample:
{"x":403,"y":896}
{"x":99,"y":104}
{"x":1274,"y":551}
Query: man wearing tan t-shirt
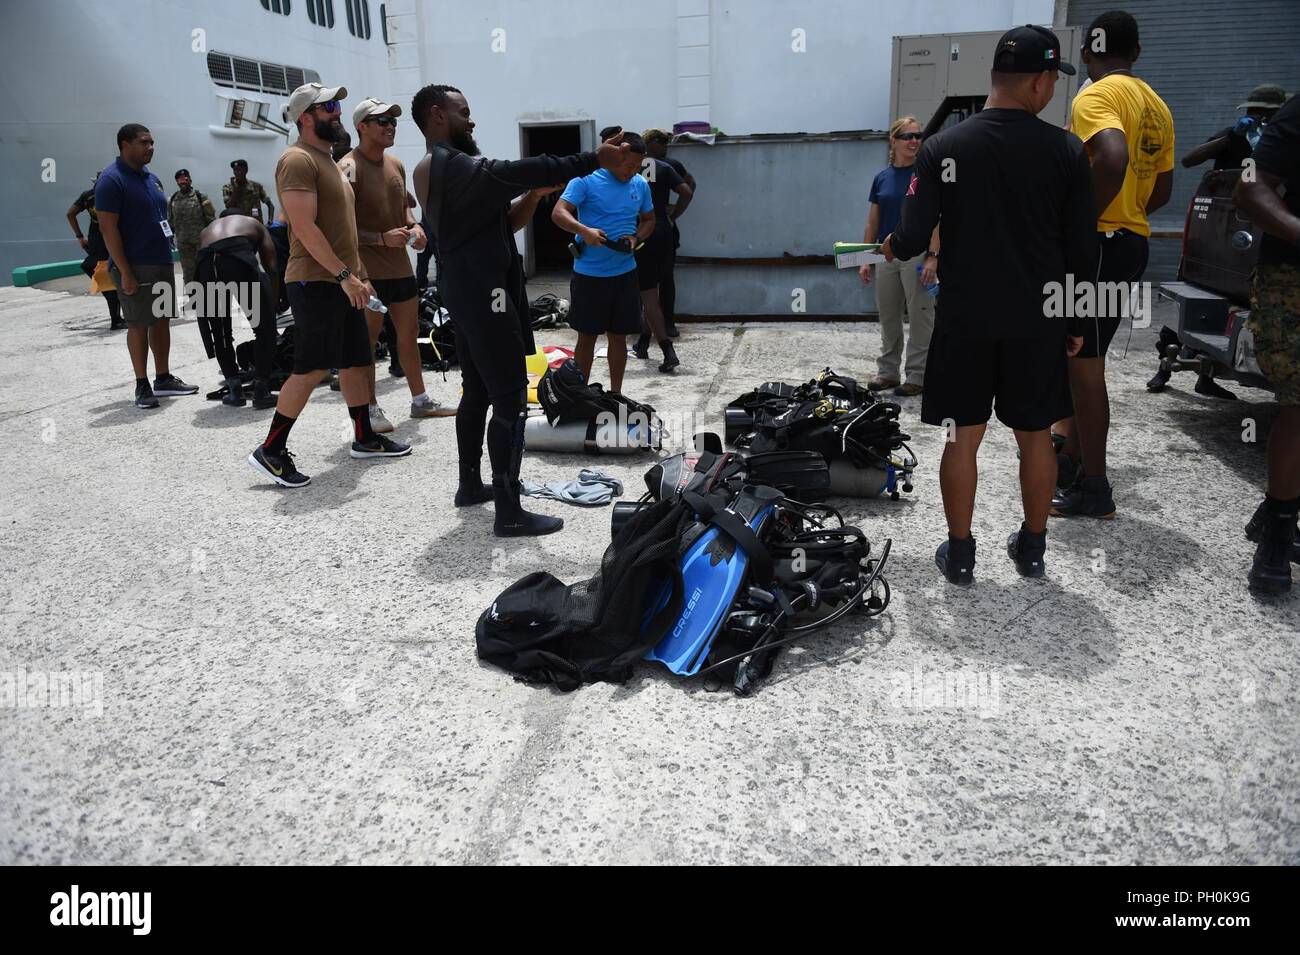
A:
{"x":326,"y":285}
{"x":385,"y":225}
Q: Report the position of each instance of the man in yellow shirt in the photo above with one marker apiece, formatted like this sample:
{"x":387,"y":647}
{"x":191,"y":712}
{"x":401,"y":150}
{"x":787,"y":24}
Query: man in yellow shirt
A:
{"x":1129,"y":133}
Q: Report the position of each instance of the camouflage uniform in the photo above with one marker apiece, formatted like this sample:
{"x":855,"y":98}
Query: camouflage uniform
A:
{"x":250,"y":197}
{"x":1275,"y":323}
{"x":188,"y":216}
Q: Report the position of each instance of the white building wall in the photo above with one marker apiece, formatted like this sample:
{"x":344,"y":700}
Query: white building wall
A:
{"x":739,"y":64}
{"x":822,"y":65}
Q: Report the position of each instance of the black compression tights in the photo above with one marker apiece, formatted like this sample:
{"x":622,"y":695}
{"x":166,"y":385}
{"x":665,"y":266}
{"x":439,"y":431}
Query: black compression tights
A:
{"x":505,"y":437}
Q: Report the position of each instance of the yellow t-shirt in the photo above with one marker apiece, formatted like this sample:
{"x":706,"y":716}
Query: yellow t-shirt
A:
{"x":1126,"y":103}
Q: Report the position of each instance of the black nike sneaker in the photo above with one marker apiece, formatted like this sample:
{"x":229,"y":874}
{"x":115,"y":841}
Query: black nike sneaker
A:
{"x":1089,"y":497}
{"x":380,"y":447}
{"x":956,"y":558}
{"x":144,"y":396}
{"x":1026,"y":550}
{"x":169,"y":386}
{"x":278,"y":467}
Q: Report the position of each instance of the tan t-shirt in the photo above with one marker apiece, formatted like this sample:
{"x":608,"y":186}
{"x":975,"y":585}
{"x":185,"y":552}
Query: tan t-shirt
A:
{"x":380,"y":188}
{"x":304,"y":168}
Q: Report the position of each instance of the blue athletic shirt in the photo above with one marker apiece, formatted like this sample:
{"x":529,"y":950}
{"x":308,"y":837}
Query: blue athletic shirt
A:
{"x":609,"y":205}
{"x":887,"y":191}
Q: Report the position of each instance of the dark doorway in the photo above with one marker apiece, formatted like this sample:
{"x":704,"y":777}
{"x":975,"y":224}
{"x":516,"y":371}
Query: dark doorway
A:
{"x":550,"y":242}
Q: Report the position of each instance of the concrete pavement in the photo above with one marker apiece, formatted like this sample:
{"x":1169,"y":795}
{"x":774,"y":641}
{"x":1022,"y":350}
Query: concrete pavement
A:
{"x":289,"y":676}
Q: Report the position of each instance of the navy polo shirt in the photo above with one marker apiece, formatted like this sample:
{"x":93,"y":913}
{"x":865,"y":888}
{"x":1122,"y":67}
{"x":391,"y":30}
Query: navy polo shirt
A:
{"x":141,"y":204}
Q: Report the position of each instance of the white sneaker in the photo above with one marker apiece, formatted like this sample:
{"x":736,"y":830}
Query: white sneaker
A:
{"x":379,"y":421}
{"x":431,"y":408}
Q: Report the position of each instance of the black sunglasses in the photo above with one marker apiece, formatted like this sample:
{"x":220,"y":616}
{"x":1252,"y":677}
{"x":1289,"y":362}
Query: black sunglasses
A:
{"x":909,"y":136}
{"x":383,"y":120}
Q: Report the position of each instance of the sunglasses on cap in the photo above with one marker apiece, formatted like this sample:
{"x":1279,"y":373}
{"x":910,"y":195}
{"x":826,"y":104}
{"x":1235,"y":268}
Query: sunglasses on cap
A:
{"x":382,"y":120}
{"x":332,"y":106}
{"x":909,"y":136}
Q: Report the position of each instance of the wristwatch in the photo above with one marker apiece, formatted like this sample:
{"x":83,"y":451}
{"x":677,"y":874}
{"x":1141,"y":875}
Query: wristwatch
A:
{"x":343,"y":276}
{"x":935,"y":254}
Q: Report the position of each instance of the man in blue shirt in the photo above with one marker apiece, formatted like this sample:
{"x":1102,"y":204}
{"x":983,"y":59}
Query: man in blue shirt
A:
{"x":132,"y":208}
{"x":611,"y":212}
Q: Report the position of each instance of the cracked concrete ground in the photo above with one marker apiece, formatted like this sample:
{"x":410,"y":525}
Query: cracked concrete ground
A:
{"x":290,"y":676}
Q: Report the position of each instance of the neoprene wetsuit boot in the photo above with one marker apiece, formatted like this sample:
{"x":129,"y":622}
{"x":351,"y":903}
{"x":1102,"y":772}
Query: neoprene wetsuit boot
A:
{"x":472,"y":490}
{"x":1270,"y":572}
{"x":262,"y":397}
{"x":234,"y":396}
{"x":671,"y":361}
{"x":1026,"y":549}
{"x":512,"y":520}
{"x":956,"y":558}
{"x":1089,"y":497}
{"x":1255,"y":530}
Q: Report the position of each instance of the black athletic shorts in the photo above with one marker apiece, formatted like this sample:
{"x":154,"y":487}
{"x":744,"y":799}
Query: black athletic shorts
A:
{"x":605,"y":304}
{"x":1121,"y":257}
{"x":327,"y":331}
{"x":966,"y":377}
{"x":654,"y":260}
{"x":392,"y":291}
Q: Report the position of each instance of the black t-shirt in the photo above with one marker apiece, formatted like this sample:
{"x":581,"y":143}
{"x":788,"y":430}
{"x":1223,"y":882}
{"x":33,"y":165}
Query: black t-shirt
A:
{"x":1278,"y":152}
{"x":94,"y":238}
{"x":1012,"y":196}
{"x":665,"y":180}
{"x":1237,"y":150}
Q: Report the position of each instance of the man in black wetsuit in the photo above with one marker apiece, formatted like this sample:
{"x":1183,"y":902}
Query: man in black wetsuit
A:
{"x":467,"y":205}
{"x":226,"y":265}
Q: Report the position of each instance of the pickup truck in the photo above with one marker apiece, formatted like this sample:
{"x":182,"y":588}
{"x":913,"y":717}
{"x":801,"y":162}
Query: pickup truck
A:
{"x":1220,"y":248}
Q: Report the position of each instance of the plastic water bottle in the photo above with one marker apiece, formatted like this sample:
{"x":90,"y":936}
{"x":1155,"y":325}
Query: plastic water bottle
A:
{"x":933,"y":288}
{"x":377,"y":306}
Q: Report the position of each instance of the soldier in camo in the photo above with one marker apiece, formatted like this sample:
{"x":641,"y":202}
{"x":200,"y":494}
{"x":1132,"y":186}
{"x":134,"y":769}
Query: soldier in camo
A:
{"x":246,"y":195}
{"x":1275,"y":324}
{"x":189,"y":212}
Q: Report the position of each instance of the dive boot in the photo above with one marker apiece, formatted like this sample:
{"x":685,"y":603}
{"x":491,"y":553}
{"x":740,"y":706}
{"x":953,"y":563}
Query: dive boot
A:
{"x":671,"y":361}
{"x":472,"y":490}
{"x":1090,"y":497}
{"x":956,"y":558}
{"x":1255,"y":530}
{"x":1270,"y":572}
{"x":1026,"y":550}
{"x":512,"y":520}
{"x":262,"y":396}
{"x":234,"y":396}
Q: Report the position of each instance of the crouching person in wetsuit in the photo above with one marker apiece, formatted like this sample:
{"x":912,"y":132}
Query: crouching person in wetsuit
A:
{"x":226,"y":265}
{"x":467,"y":204}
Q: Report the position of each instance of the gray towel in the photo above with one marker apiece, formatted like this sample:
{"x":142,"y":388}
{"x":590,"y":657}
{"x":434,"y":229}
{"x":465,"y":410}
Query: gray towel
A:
{"x":592,"y":489}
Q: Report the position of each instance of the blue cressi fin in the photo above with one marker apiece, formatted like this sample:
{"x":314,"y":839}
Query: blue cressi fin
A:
{"x":713,"y":569}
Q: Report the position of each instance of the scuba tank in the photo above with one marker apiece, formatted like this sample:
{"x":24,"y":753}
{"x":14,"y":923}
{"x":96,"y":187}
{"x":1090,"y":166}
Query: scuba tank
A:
{"x":614,"y":434}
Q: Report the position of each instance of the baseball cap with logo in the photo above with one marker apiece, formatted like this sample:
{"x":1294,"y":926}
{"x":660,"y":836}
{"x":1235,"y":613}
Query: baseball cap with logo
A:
{"x":182,"y":172}
{"x":374,"y":107}
{"x":1029,"y":49}
{"x":310,"y":94}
